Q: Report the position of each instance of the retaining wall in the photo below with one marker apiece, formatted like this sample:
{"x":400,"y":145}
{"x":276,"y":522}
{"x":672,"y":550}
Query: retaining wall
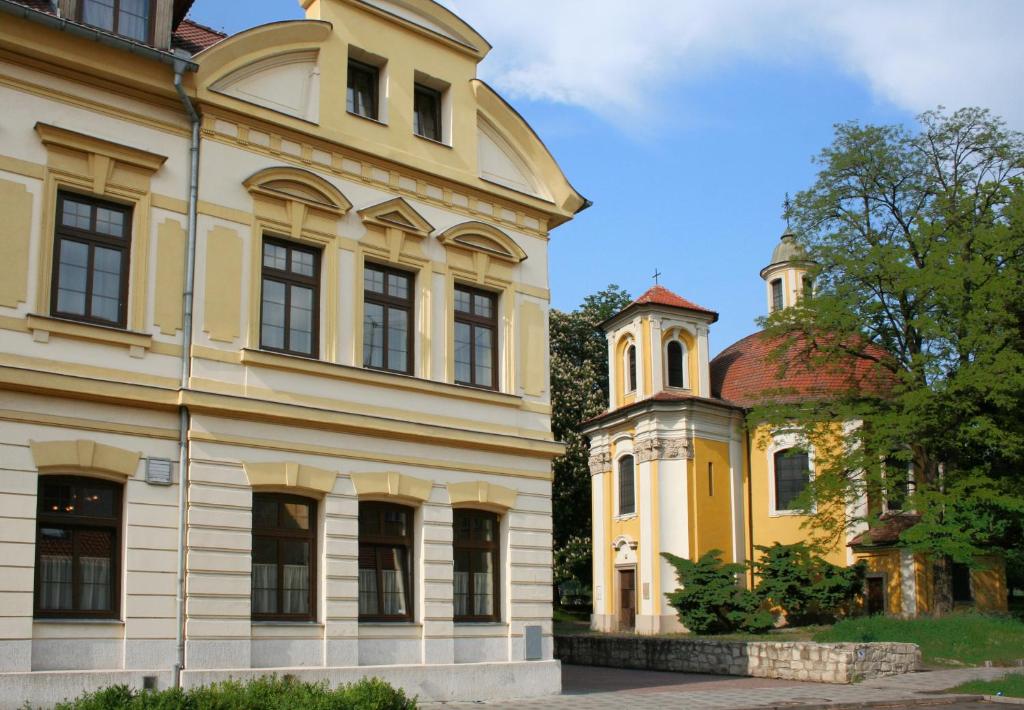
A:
{"x":790,"y":660}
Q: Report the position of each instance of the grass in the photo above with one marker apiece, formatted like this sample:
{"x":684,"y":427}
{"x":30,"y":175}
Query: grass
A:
{"x":570,"y":623}
{"x":1010,"y":685}
{"x":948,"y":641}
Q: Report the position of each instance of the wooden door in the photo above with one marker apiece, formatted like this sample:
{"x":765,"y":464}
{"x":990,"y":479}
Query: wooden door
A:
{"x":875,"y":595}
{"x":627,"y":599}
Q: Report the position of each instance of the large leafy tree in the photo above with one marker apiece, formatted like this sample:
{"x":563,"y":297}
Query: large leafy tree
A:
{"x":918,"y":239}
{"x":579,"y":391}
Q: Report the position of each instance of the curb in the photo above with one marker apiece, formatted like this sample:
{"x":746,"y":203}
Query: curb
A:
{"x":1002,"y":699}
{"x":893,"y":703}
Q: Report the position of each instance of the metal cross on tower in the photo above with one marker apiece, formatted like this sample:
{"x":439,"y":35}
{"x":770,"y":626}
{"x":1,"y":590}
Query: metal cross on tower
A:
{"x":657,"y":274}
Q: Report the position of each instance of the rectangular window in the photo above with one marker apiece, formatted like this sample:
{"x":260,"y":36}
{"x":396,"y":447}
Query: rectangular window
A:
{"x":128,"y":18}
{"x":387,"y":319}
{"x":476,"y":565}
{"x":78,"y":526}
{"x":776,"y":295}
{"x":962,"y":583}
{"x":90,"y":265}
{"x":476,"y":336}
{"x":283,"y":557}
{"x":792,"y":474}
{"x":290,"y":306}
{"x":711,"y":479}
{"x":897,"y":484}
{"x":385,"y":574}
{"x":427,"y":112}
{"x":627,"y":486}
{"x":363,"y":80}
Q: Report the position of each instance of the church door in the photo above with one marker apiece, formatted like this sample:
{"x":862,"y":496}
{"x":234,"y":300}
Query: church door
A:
{"x":627,"y":599}
{"x":875,"y":595}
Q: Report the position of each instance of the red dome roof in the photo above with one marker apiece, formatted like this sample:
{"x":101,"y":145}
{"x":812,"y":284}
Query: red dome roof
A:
{"x":747,"y":375}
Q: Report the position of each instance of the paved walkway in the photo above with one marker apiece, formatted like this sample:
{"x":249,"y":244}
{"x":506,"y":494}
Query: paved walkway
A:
{"x":590,"y":688}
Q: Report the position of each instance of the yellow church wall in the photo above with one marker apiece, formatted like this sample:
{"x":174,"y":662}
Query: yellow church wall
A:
{"x":711,"y":504}
{"x":885,"y":562}
{"x":988,"y":583}
{"x":616,"y":526}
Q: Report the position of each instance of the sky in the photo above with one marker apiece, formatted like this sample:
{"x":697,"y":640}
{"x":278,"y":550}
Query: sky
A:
{"x":686,"y":122}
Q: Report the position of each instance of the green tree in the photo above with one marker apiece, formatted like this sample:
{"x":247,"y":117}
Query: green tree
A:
{"x":809,"y":588}
{"x":709,"y":601}
{"x":579,"y":391}
{"x":918,"y":238}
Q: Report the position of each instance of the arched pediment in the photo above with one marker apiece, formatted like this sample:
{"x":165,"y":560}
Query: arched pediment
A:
{"x":434,"y":19}
{"x":398,"y":214}
{"x":288,"y":83}
{"x":483,"y":238}
{"x":295,"y":184}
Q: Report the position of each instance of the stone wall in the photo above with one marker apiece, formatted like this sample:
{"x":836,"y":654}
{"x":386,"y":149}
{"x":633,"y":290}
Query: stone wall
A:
{"x":792,"y":660}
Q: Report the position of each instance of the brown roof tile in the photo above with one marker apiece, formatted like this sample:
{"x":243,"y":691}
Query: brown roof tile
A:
{"x":661,"y":296}
{"x":886,"y":531}
{"x":194,"y":37}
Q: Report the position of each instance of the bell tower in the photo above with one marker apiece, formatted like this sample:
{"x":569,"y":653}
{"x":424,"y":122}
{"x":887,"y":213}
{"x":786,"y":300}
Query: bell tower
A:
{"x":786,"y":278}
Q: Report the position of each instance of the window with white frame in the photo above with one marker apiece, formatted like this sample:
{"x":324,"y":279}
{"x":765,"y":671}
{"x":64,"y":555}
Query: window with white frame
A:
{"x":792,"y":474}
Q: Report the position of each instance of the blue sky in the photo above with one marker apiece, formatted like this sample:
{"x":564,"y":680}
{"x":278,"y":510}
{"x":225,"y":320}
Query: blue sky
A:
{"x":687,"y":121}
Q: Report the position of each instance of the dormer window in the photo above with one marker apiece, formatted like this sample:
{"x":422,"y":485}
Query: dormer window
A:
{"x":363,"y":81}
{"x":131,"y":19}
{"x":776,"y":287}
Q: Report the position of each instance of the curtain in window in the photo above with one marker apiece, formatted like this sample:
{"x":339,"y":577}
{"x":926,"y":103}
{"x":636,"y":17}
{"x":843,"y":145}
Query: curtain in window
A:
{"x":483,"y":588}
{"x":133,"y":19}
{"x":296,"y":589}
{"x":95,"y":589}
{"x":461,"y":593}
{"x":368,"y":592}
{"x":98,"y":13}
{"x":264,"y":588}
{"x":55,"y":576}
{"x":393,"y":584}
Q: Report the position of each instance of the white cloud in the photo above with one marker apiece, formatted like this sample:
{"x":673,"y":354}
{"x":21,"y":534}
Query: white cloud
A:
{"x":612,"y":57}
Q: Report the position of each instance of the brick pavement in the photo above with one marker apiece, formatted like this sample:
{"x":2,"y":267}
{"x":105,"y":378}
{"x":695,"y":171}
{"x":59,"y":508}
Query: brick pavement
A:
{"x":590,"y":688}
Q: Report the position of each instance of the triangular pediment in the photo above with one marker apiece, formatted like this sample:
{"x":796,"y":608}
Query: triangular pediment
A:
{"x":398,"y":214}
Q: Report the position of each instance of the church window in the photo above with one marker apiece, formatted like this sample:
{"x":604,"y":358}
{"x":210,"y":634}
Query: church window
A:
{"x":363,"y":80}
{"x":776,"y":295}
{"x":475,"y":547}
{"x":128,"y":18}
{"x":385,"y":575}
{"x":387,"y":319}
{"x":676,"y":357}
{"x":792,"y":474}
{"x":627,"y":486}
{"x":476,"y":335}
{"x":290,"y":305}
{"x":283,"y":557}
{"x":631,"y":368}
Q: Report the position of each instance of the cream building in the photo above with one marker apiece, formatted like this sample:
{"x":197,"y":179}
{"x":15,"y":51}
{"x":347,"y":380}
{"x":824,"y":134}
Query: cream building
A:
{"x":273,"y":361}
{"x":676,"y":466}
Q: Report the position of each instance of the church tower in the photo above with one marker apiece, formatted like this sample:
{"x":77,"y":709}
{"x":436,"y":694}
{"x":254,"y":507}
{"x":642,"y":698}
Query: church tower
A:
{"x":786,"y":278}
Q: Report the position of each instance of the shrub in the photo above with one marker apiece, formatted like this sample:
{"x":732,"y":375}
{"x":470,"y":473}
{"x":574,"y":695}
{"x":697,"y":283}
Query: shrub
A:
{"x":709,"y":600}
{"x":267,"y":693}
{"x":808,"y":588}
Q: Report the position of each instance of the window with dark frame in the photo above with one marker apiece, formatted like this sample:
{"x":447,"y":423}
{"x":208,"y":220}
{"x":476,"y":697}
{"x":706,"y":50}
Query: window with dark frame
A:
{"x":385,"y":557}
{"x":131,"y":19}
{"x":631,"y":368}
{"x":711,"y":479}
{"x":387,"y":319}
{"x":675,"y":364}
{"x":792,"y":474}
{"x":427,"y":112}
{"x":776,"y":295}
{"x":363,"y":80}
{"x":627,"y":486}
{"x":283,"y":557}
{"x":290,"y":298}
{"x":475,"y":546}
{"x":897,"y":484}
{"x":78,"y":530}
{"x":476,"y":335}
{"x":92,"y":243}
{"x":962,"y":592}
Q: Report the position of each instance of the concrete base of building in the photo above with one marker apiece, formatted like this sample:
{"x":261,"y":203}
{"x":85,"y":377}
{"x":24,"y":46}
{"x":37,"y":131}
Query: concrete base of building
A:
{"x":646,"y":624}
{"x":459,"y":681}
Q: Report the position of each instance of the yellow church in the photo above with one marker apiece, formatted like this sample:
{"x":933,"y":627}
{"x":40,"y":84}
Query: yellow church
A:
{"x":677,"y":467}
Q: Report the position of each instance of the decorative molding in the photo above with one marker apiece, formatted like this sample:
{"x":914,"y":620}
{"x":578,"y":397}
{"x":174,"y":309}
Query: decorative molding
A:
{"x":42,"y":327}
{"x":658,"y":449}
{"x":485,"y":239}
{"x":392,"y":485}
{"x":600,"y":461}
{"x":483,"y":493}
{"x":289,"y":475}
{"x":623,"y":540}
{"x":84,"y":456}
{"x":396,"y":213}
{"x":113,"y":152}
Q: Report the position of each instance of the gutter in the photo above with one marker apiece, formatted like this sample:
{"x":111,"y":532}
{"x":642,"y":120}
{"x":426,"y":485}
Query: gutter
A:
{"x":182,"y":65}
{"x":108,"y":39}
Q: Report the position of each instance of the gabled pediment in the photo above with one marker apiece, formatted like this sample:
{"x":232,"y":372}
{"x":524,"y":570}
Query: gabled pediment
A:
{"x":485,"y":239}
{"x":398,"y":214}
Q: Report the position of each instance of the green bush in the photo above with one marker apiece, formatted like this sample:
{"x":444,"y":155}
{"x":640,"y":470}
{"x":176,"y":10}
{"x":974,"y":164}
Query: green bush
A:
{"x":807,"y":587}
{"x":709,"y":600}
{"x":267,"y":693}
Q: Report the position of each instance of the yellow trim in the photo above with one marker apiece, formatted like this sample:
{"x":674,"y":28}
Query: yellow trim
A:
{"x":482,"y":494}
{"x":16,"y":204}
{"x":88,"y":331}
{"x":22,"y":167}
{"x":289,"y":475}
{"x":10,"y":415}
{"x":53,"y":136}
{"x":273,"y":183}
{"x":84,"y":455}
{"x":376,"y":456}
{"x":85,"y":381}
{"x":410,"y":221}
{"x":391,"y":485}
{"x":171,"y":238}
{"x":222,"y":296}
{"x":483,"y":238}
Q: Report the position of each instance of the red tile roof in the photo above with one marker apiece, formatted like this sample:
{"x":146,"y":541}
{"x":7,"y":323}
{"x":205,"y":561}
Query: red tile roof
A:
{"x":661,"y":296}
{"x":194,"y":37}
{"x":886,"y":531}
{"x":747,"y":373}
